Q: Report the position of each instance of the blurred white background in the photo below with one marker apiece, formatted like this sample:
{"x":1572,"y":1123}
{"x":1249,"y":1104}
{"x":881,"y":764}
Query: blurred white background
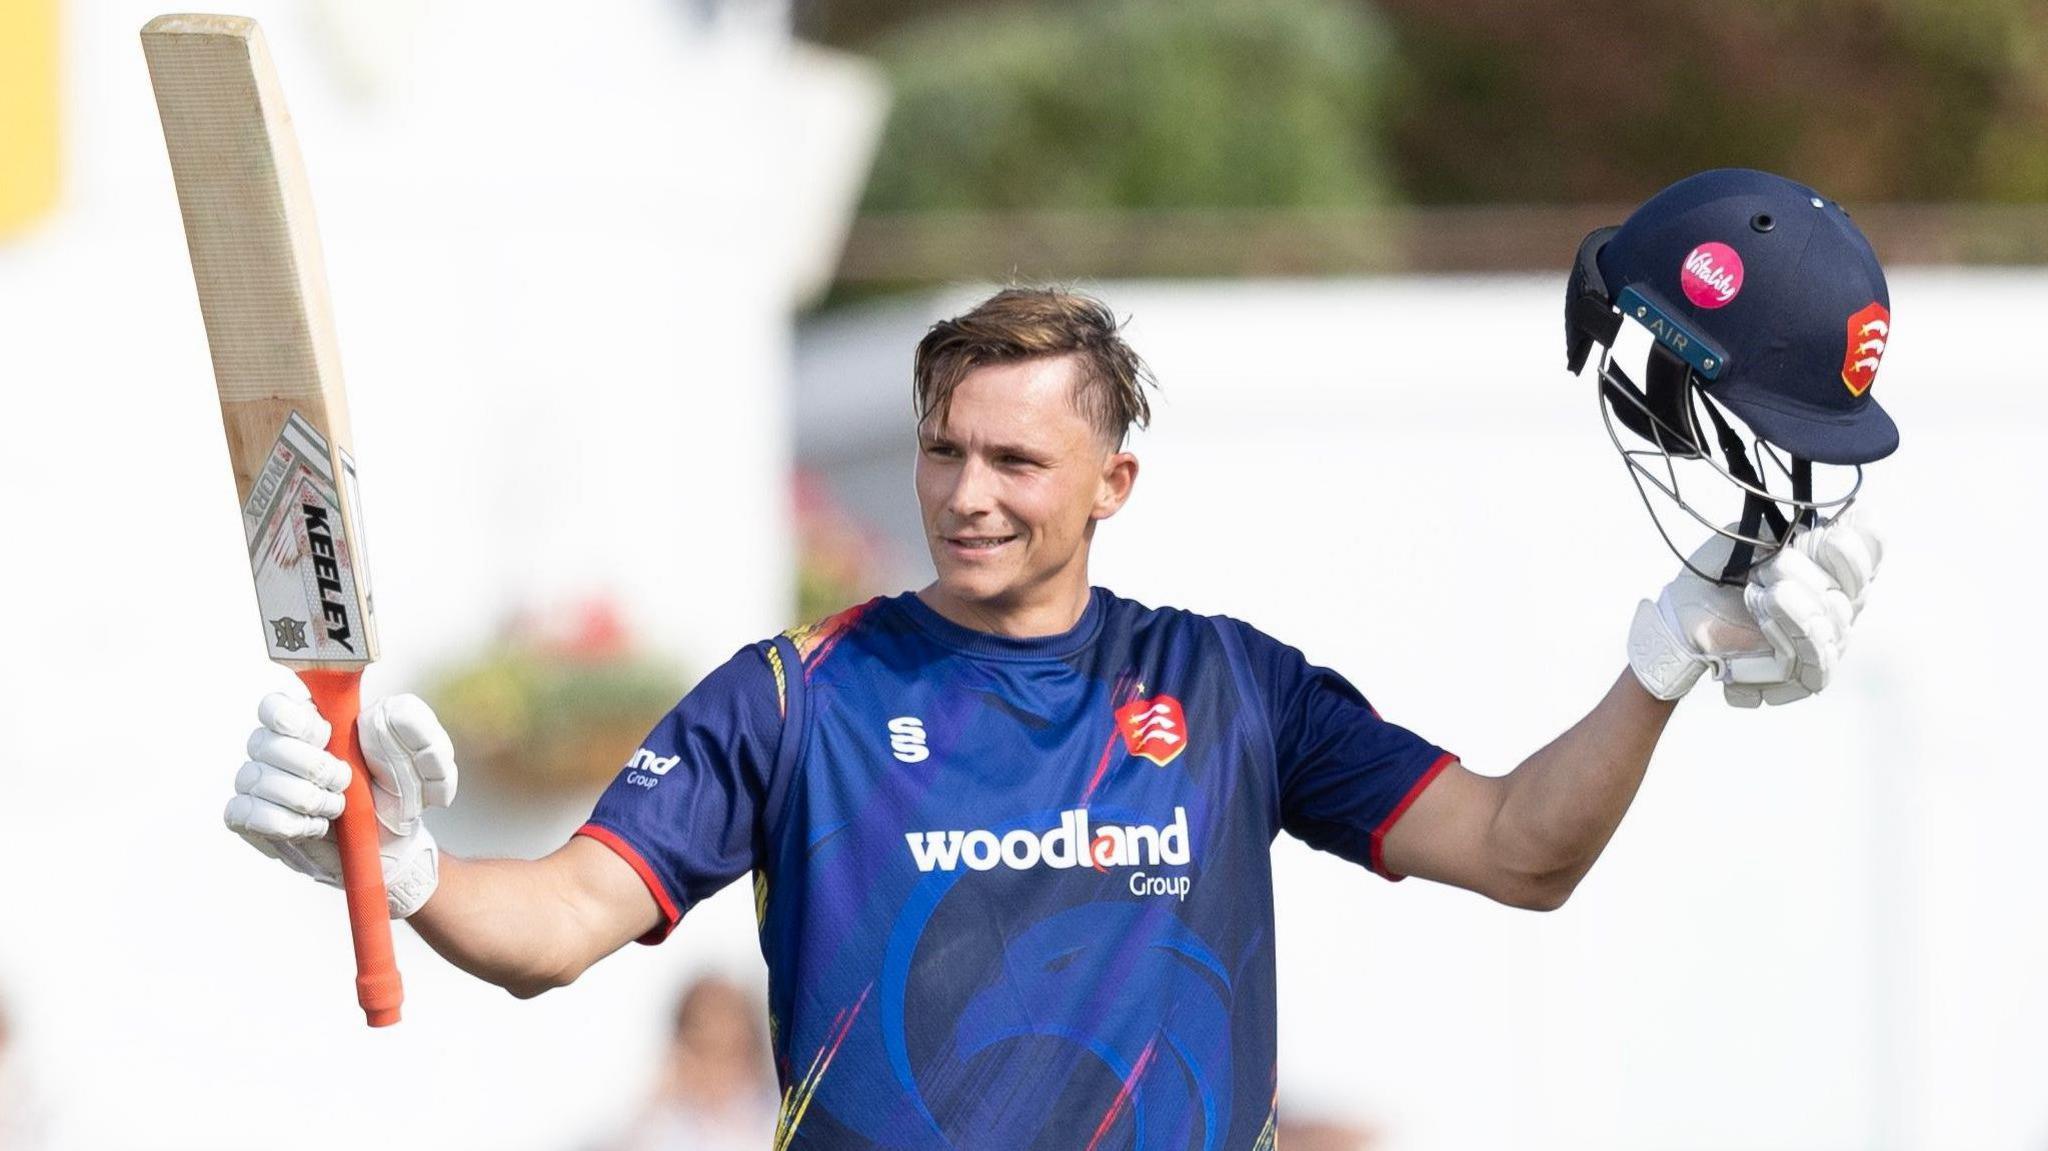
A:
{"x":566,"y":254}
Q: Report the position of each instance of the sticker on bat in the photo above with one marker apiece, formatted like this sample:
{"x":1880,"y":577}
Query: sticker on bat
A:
{"x":288,"y":634}
{"x":301,"y":556}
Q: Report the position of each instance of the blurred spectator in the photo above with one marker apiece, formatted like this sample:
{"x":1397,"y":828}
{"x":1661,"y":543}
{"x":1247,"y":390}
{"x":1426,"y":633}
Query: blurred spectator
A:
{"x":20,"y":1124}
{"x":1314,"y":1134}
{"x":716,"y":1091}
{"x":841,"y":559}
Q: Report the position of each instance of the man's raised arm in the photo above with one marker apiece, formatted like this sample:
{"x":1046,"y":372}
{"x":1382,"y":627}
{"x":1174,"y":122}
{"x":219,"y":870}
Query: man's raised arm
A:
{"x":1528,"y":837}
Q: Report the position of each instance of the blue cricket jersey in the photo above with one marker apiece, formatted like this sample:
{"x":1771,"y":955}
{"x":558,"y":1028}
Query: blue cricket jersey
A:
{"x":1013,"y":892}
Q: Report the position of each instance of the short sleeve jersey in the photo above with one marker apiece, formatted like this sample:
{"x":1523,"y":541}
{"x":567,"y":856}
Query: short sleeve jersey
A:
{"x":1013,"y":892}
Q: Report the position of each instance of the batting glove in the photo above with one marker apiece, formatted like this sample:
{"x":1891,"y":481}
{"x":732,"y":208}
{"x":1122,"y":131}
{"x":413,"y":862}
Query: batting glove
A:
{"x":1775,"y":640}
{"x":291,"y":788}
{"x":1806,"y":600}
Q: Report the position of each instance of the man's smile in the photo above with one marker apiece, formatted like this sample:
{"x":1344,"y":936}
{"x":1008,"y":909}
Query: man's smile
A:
{"x":976,"y":545}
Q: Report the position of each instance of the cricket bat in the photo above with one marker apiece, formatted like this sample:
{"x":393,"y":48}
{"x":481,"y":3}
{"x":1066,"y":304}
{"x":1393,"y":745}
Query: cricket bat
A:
{"x":263,"y":292}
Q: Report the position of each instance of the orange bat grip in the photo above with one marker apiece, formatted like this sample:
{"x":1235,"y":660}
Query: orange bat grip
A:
{"x":339,"y":696}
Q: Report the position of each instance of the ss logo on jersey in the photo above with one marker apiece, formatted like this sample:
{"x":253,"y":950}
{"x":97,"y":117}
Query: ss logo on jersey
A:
{"x":906,"y":739}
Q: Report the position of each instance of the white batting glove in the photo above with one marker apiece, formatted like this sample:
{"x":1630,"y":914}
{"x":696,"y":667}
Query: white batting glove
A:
{"x":291,"y":788}
{"x":1775,"y":640}
{"x":1806,"y":599}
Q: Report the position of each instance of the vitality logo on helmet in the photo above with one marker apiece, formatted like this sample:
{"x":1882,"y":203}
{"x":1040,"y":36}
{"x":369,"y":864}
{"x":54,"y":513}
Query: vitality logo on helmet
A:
{"x":1712,"y":275}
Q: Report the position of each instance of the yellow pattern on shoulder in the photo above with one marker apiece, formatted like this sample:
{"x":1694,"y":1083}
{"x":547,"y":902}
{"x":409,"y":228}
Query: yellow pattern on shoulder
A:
{"x":814,"y":641}
{"x":781,"y":681}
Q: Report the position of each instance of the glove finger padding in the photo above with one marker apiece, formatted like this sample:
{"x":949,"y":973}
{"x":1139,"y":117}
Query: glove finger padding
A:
{"x":1797,"y":620}
{"x":1842,"y":613}
{"x":1802,"y":600}
{"x":288,"y":791}
{"x":1791,"y":565}
{"x":1794,"y":616}
{"x":295,"y":718}
{"x":1781,"y":693}
{"x":294,"y":756}
{"x":298,"y":841}
{"x":1756,"y":695}
{"x":411,"y":760}
{"x":413,"y":724}
{"x":252,"y":816}
{"x":1849,"y":549}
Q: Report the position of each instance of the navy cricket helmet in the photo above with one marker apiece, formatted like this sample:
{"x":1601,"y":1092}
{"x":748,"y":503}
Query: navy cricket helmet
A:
{"x":1761,"y":298}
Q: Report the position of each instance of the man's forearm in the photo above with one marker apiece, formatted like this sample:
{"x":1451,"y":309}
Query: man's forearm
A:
{"x":516,"y":923}
{"x":1561,"y":805}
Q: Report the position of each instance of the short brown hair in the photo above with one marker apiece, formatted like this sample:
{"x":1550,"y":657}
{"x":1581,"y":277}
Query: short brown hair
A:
{"x":1027,"y":324}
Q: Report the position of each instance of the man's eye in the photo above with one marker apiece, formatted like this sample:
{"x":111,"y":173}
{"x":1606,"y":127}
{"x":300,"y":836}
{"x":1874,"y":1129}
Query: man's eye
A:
{"x":940,"y":450}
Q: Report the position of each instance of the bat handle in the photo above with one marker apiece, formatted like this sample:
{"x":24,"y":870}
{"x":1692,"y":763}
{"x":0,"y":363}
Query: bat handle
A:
{"x":339,"y":696}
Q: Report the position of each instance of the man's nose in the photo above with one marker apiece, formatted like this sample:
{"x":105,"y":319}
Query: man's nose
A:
{"x":973,"y":489}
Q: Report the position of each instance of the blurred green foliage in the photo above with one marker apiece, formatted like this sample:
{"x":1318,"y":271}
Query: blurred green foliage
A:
{"x":1571,"y":100}
{"x":2004,"y":45}
{"x":1134,"y":104}
{"x":1137,"y":104}
{"x":556,"y":704}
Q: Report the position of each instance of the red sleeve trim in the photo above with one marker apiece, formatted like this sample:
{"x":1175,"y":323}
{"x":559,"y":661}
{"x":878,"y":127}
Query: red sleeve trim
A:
{"x":1400,"y":809}
{"x":671,"y":916}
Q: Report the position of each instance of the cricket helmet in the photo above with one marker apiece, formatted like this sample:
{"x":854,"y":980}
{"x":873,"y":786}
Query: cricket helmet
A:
{"x":1763,"y":301}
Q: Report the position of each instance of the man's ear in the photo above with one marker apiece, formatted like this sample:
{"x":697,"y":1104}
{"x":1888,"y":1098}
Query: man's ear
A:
{"x":1119,"y":474}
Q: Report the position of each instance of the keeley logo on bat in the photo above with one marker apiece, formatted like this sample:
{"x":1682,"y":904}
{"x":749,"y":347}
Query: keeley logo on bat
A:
{"x":1071,"y":844}
{"x":327,"y":574}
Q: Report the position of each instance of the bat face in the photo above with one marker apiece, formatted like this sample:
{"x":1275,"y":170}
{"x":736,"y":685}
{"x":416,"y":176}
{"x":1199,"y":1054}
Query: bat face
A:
{"x":256,"y":258}
{"x":311,"y":579}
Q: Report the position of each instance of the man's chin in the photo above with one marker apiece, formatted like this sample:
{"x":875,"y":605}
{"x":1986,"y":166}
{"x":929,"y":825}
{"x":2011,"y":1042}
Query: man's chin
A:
{"x":978,"y":584}
{"x":979,"y":589}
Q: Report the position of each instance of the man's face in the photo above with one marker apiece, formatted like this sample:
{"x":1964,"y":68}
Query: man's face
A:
{"x":1010,"y":489}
